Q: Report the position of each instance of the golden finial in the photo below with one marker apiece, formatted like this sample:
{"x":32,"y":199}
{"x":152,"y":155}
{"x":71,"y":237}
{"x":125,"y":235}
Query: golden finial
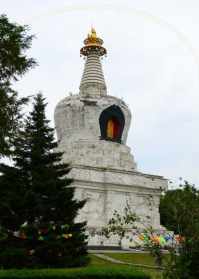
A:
{"x":92,"y":38}
{"x":93,"y":42}
{"x":93,"y":33}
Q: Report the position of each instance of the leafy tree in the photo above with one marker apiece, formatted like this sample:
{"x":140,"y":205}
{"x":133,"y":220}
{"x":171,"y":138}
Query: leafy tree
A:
{"x":11,"y":118}
{"x":179,"y":209}
{"x":183,"y":218}
{"x":14,"y":42}
{"x":44,"y":219}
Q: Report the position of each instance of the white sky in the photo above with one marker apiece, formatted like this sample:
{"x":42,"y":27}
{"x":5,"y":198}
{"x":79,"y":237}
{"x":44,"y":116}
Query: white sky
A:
{"x":152,"y":63}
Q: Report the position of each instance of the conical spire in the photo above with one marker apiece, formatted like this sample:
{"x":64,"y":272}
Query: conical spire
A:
{"x":92,"y":82}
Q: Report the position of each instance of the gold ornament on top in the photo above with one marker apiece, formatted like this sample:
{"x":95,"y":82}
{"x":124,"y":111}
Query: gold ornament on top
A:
{"x":93,"y":43}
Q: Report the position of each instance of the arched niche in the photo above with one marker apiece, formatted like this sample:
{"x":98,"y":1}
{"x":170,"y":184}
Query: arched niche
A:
{"x":112,"y":123}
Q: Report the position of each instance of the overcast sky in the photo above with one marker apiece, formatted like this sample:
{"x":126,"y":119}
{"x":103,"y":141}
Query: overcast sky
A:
{"x":152,"y":64}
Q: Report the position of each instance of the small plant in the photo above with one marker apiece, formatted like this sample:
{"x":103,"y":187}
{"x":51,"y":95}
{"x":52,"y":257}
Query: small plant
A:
{"x":119,"y":224}
{"x":153,"y":243}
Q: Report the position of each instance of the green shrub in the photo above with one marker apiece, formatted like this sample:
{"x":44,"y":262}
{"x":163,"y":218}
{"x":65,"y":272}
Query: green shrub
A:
{"x":16,"y":254}
{"x":83,"y":273}
{"x":58,"y":255}
{"x":13,"y":257}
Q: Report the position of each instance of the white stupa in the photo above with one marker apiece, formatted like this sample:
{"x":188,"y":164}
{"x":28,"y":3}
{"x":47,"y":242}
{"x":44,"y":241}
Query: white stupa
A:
{"x":92,"y":129}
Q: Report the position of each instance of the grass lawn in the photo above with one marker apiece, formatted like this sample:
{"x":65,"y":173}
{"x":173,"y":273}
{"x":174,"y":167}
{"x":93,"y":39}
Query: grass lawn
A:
{"x":136,"y":258}
{"x":153,"y":273}
{"x":96,"y":264}
{"x":140,"y":258}
{"x":97,"y":268}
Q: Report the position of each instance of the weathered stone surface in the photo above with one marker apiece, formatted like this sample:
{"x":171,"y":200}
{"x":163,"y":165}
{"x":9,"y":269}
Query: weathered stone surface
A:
{"x":78,"y":131}
{"x":107,"y":190}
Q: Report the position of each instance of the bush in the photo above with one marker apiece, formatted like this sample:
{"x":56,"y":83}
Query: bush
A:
{"x":13,"y":257}
{"x":83,"y":273}
{"x":17,"y":253}
{"x":59,"y":254}
{"x":19,"y":259}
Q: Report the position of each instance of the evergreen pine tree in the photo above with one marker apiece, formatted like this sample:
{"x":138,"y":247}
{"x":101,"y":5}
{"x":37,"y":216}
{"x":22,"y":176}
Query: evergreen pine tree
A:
{"x":47,"y":210}
{"x":14,"y":185}
{"x":14,"y":41}
{"x":11,"y":118}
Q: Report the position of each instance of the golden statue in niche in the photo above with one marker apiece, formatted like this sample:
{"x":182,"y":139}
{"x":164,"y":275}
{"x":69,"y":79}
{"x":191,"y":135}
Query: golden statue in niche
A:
{"x":112,"y":128}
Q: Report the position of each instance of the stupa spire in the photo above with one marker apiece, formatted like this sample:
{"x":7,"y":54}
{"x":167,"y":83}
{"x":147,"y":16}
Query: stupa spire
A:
{"x":92,"y":82}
